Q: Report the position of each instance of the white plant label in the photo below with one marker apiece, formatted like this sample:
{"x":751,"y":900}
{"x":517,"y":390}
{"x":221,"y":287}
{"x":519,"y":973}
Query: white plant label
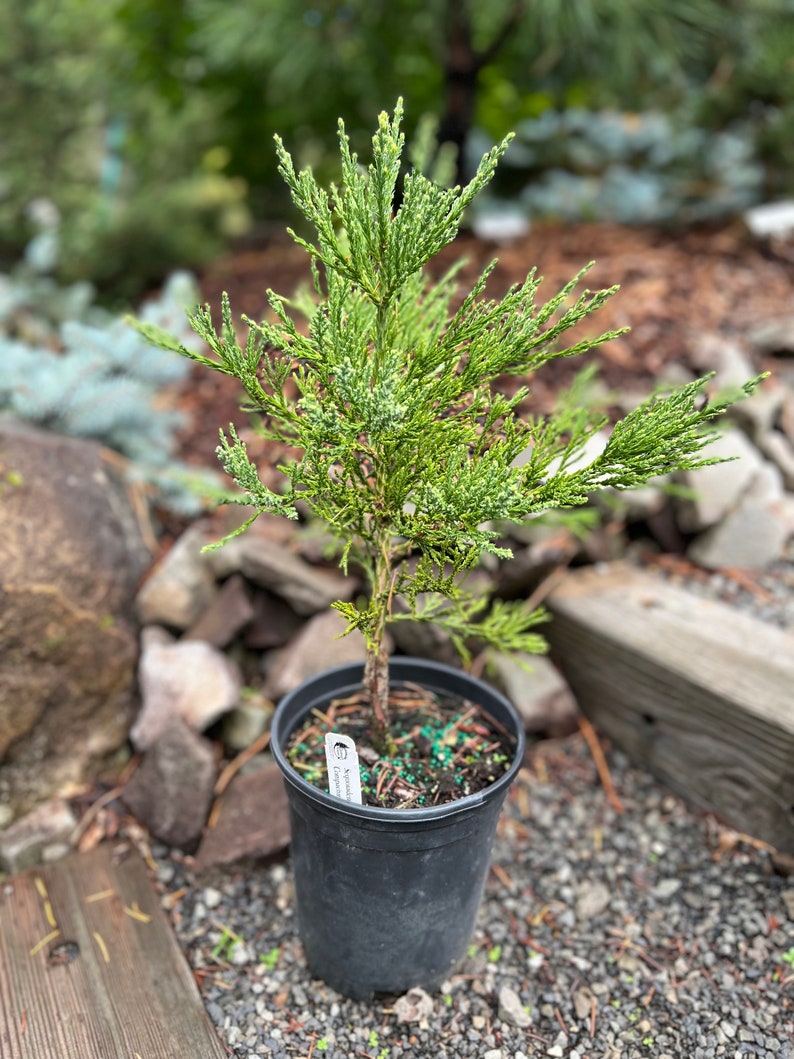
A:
{"x":343,"y":776}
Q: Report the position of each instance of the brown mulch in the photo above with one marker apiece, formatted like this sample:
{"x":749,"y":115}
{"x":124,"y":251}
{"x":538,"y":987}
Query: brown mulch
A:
{"x":675,"y":287}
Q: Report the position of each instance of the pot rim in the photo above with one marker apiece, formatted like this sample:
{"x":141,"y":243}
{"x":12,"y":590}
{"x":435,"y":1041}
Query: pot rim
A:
{"x":436,"y":673}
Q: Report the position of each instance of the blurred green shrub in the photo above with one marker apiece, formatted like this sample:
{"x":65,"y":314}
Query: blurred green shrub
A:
{"x":70,"y":366}
{"x":149,"y":125}
{"x":136,"y":178}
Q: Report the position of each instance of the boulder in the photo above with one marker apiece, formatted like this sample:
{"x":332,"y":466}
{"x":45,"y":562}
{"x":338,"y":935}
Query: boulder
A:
{"x":248,"y":721}
{"x":38,"y":836}
{"x":72,"y":553}
{"x":714,"y":352}
{"x":273,"y":623}
{"x":774,"y":336}
{"x":780,"y":451}
{"x":759,"y":414}
{"x":229,"y":613}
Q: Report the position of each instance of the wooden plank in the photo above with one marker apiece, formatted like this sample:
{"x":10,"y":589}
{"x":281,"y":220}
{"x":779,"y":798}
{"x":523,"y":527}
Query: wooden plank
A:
{"x":90,"y":968}
{"x":699,"y":693}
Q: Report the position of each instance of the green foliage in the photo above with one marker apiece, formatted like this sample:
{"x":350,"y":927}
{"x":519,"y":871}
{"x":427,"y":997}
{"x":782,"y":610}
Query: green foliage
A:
{"x":402,"y":443}
{"x":270,"y":958}
{"x":136,"y":177}
{"x":143,"y":121}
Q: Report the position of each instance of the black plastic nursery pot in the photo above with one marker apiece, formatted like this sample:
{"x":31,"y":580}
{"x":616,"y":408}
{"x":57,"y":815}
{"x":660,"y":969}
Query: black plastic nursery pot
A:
{"x":387,"y":899}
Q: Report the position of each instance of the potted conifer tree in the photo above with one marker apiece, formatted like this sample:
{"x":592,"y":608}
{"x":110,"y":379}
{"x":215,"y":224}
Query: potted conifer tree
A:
{"x":408,"y":452}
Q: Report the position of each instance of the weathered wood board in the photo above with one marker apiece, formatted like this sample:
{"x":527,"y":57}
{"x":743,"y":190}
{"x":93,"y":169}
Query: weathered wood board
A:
{"x":90,"y":968}
{"x":696,"y":691}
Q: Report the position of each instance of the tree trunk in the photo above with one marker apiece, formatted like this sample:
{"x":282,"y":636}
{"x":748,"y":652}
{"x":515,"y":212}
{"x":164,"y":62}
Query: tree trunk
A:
{"x":462,"y":68}
{"x":376,"y":686}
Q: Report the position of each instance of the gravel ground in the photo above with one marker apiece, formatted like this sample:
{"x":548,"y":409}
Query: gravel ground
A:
{"x":651,"y":933}
{"x":770,"y":599}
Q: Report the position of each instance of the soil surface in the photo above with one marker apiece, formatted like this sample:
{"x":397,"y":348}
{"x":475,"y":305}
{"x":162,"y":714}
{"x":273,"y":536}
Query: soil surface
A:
{"x":443,"y":749}
{"x":676,"y":286}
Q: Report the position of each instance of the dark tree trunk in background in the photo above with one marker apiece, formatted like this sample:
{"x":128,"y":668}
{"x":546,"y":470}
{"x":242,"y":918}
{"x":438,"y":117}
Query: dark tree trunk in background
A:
{"x":462,"y":66}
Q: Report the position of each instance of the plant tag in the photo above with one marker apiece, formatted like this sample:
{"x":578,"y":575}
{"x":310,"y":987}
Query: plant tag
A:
{"x":343,"y":777}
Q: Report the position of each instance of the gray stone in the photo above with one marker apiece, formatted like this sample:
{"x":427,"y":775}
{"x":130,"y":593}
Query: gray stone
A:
{"x":713,"y":352}
{"x":253,"y":822}
{"x":758,"y":414}
{"x":583,"y":1002}
{"x":786,"y":421}
{"x":591,"y":450}
{"x":273,"y":624}
{"x":777,"y":448}
{"x":314,"y":649}
{"x":771,"y":220}
{"x":538,"y":691}
{"x":633,"y":505}
{"x":181,"y":585}
{"x":421,"y":639}
{"x":755,"y":533}
{"x":250,"y":719}
{"x":592,"y":899}
{"x":500,"y":224}
{"x":228,"y":613}
{"x":720,"y":487}
{"x":666,"y":888}
{"x":72,"y":552}
{"x":413,"y":1006}
{"x":26,"y":842}
{"x":171,"y":790}
{"x":511,"y":1009}
{"x":308,"y":589}
{"x":225,"y":560}
{"x":773,"y":336}
{"x":188,"y":679}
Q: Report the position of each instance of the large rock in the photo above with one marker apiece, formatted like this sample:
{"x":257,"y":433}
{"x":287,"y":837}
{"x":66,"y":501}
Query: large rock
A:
{"x":71,"y":554}
{"x":774,"y":336}
{"x":538,"y":691}
{"x":725,"y":356}
{"x":42,"y":834}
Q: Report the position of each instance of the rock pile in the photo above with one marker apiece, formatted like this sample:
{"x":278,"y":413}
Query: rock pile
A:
{"x":225,"y":633}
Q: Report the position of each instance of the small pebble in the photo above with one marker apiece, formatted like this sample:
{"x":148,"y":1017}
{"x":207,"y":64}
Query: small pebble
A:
{"x":626,"y":954}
